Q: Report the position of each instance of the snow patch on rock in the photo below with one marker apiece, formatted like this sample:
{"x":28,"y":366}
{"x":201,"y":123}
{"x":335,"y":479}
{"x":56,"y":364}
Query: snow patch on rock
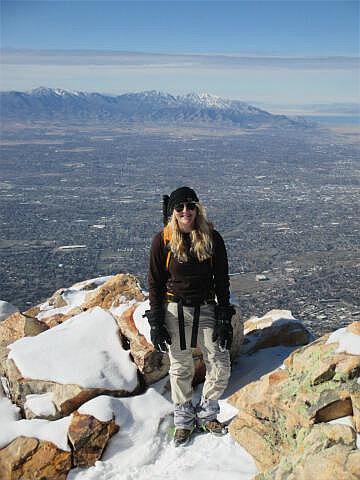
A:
{"x":99,"y":407}
{"x":118,"y":311}
{"x":12,"y":427}
{"x":41,"y":405}
{"x":348,"y":341}
{"x":278,"y":316}
{"x":85,"y":350}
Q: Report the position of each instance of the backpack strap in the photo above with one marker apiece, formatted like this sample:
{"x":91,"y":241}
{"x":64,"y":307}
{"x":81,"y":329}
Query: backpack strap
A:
{"x":168,"y":256}
{"x":167,"y":238}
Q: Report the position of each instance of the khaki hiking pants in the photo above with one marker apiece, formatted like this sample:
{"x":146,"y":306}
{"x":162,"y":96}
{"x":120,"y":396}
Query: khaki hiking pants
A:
{"x":181,"y":361}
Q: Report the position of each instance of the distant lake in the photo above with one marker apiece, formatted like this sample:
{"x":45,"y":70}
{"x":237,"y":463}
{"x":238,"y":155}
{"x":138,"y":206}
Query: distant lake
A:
{"x":335,"y":119}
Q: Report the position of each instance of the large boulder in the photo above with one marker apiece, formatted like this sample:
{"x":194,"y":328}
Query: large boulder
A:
{"x":17,"y":326}
{"x":277,"y":327}
{"x":88,"y":437}
{"x":106,"y":292}
{"x":317,"y":383}
{"x":30,"y":458}
{"x":31,"y":449}
{"x":153,"y":365}
{"x":75,"y":361}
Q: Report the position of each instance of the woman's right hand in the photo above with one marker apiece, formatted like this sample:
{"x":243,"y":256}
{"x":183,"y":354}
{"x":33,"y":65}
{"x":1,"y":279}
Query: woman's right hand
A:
{"x":160,"y":338}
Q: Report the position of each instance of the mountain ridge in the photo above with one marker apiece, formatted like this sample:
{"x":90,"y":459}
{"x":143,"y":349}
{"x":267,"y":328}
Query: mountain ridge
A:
{"x":58,"y":104}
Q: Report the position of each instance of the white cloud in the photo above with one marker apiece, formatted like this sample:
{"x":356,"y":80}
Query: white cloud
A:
{"x":237,"y":61}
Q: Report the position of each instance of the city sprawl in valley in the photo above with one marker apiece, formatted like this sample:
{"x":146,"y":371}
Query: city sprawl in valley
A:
{"x":79,"y":200}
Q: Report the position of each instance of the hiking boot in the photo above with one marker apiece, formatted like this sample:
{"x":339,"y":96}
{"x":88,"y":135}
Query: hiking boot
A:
{"x":182,"y":436}
{"x":214,"y":427}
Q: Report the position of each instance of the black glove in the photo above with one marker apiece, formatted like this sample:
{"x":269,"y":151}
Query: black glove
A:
{"x":223,"y":331}
{"x":160,"y":337}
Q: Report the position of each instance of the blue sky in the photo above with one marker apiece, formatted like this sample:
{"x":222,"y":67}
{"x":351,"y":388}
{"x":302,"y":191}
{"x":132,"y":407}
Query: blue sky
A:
{"x":271,"y":51}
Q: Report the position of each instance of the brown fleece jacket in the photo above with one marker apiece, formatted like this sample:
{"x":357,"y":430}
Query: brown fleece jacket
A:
{"x":193,"y":281}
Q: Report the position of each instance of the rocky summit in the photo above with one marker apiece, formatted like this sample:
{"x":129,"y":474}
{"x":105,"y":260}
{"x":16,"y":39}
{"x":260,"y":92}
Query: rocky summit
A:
{"x":79,"y":366}
{"x":98,"y":326}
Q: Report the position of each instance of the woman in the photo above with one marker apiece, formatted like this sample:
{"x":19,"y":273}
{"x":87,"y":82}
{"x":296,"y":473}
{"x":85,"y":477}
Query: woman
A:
{"x":188,"y":268}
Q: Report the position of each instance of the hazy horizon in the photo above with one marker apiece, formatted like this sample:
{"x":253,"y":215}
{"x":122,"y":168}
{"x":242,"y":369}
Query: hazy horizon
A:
{"x":279,"y":52}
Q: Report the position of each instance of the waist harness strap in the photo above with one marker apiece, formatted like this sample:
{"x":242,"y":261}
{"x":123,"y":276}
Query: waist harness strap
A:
{"x":181,"y":325}
{"x":195,"y":327}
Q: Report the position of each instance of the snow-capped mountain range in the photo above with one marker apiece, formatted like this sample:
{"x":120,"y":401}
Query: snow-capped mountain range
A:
{"x":58,"y":104}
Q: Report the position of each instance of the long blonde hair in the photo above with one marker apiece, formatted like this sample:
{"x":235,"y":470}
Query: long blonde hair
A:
{"x":201,"y":237}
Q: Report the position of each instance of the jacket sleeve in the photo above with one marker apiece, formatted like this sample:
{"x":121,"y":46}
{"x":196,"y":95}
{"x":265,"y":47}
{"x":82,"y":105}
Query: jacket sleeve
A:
{"x":221,"y":270}
{"x":157,"y":275}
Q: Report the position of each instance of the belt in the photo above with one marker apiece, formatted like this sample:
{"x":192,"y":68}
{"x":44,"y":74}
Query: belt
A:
{"x":171,"y":298}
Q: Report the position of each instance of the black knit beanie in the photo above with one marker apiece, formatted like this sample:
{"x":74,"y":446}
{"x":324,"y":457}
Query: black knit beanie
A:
{"x":182,"y":194}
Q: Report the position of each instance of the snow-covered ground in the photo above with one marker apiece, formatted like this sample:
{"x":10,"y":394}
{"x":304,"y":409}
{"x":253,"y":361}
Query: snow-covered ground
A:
{"x":143,"y":447}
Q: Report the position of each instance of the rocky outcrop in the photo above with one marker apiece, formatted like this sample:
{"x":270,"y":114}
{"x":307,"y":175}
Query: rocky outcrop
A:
{"x":102,"y":365}
{"x":277,"y":327}
{"x":106,"y":292}
{"x":88,"y":438}
{"x":278,"y":414}
{"x":65,"y":397}
{"x":118,"y":290}
{"x":316,"y":384}
{"x":112,"y":294}
{"x":57,"y":318}
{"x":17,"y":326}
{"x":30,"y":458}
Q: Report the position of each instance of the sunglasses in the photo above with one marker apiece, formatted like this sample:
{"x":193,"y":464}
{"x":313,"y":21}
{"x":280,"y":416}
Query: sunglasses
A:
{"x":189,"y":206}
